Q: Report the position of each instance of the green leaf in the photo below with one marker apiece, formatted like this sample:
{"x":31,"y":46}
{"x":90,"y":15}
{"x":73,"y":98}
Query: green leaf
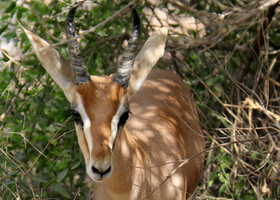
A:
{"x":10,"y":35}
{"x":62,"y":175}
{"x":54,"y":143}
{"x":248,"y":197}
{"x":222,"y":189}
{"x":62,"y":164}
{"x":38,"y":179}
{"x":61,"y":190}
{"x":222,"y":178}
{"x":76,"y":165}
{"x":11,"y":7}
{"x":3,"y":29}
{"x":57,"y":153}
{"x":212,"y":178}
{"x":239,"y":187}
{"x":8,"y":182}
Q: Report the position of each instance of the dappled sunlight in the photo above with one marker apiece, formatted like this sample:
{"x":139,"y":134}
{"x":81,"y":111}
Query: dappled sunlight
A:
{"x":226,"y":52}
{"x":156,"y":124}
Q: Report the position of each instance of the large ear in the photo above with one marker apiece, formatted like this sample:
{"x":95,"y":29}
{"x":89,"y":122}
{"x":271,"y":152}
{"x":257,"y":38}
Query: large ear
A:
{"x":52,"y":61}
{"x":151,"y":52}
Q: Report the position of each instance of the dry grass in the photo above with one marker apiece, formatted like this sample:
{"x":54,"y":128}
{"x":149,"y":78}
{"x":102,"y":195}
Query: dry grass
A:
{"x":229,"y":58}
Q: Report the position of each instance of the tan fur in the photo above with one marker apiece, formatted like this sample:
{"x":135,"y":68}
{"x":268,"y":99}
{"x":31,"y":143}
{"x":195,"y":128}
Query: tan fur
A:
{"x":162,"y":129}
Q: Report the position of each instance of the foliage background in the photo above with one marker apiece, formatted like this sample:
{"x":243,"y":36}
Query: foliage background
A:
{"x":226,"y":51}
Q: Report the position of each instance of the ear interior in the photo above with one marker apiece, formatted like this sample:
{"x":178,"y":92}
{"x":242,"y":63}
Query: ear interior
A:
{"x":54,"y":63}
{"x":151,"y":52}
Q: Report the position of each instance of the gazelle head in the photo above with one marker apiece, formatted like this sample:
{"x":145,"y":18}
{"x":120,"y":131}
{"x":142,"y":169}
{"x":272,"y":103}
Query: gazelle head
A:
{"x":99,"y":104}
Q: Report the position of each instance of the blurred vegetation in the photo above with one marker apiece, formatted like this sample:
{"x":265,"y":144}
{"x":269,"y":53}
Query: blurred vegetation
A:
{"x":226,"y":51}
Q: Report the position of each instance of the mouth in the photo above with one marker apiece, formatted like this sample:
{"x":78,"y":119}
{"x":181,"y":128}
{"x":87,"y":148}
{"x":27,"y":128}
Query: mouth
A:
{"x":98,"y":174}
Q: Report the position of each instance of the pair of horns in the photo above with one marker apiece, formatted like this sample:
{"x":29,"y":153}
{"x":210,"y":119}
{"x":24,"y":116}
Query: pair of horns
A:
{"x":80,"y":71}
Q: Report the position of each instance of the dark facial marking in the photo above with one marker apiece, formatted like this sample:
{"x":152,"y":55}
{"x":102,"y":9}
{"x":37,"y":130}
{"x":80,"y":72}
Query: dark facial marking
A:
{"x":77,"y":117}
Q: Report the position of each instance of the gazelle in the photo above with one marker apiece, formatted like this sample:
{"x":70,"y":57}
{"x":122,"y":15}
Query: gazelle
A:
{"x":133,"y":127}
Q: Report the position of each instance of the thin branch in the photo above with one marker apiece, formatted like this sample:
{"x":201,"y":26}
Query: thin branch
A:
{"x":50,"y":141}
{"x":187,"y":160}
{"x":121,"y":11}
{"x":210,"y":21}
{"x":253,"y":13}
{"x":259,"y":41}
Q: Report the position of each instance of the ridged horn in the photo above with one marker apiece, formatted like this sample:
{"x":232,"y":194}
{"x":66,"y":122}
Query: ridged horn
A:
{"x":79,"y":69}
{"x":124,"y":71}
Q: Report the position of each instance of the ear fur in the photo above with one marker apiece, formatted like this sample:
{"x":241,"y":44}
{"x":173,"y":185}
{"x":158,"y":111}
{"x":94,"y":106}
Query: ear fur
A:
{"x":54,"y":63}
{"x":151,"y":52}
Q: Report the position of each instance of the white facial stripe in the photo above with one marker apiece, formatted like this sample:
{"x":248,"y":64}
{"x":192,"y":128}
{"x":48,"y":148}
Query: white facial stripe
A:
{"x":86,"y":121}
{"x":115,"y":121}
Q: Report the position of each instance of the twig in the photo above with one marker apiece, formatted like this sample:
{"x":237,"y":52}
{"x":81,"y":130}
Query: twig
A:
{"x":29,"y":181}
{"x":210,"y":21}
{"x":259,"y":41}
{"x":121,"y":11}
{"x":8,"y":56}
{"x":50,"y":141}
{"x":253,"y":13}
{"x":207,"y":88}
{"x":185,"y":161}
{"x":255,"y":105}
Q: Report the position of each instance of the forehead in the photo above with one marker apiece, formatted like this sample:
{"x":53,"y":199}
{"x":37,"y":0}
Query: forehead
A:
{"x":102,"y":96}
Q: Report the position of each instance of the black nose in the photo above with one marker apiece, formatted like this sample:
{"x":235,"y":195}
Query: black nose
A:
{"x":100,"y":172}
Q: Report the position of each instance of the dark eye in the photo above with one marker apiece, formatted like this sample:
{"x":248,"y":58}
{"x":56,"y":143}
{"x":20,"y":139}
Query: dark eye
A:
{"x":123,"y":119}
{"x":77,"y":117}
